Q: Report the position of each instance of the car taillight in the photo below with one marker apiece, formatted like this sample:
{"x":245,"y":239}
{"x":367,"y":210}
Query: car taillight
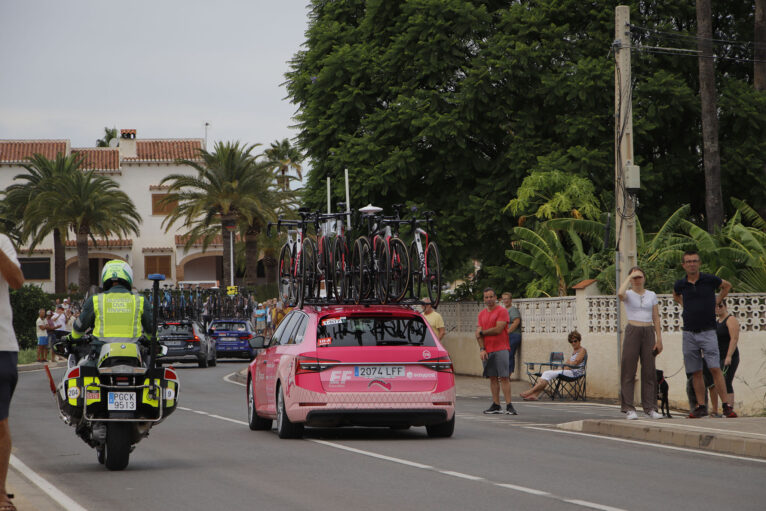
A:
{"x":246,"y":337}
{"x":312,"y":364}
{"x":441,"y":364}
{"x":196,"y":338}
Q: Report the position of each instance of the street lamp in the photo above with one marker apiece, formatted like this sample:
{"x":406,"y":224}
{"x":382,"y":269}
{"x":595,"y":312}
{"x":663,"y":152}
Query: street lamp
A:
{"x":230,"y":225}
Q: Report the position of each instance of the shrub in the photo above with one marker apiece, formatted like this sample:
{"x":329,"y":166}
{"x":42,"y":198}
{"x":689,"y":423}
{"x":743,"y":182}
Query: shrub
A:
{"x":25,"y":303}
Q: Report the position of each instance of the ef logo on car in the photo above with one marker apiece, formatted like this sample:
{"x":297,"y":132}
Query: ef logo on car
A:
{"x":340,"y":377}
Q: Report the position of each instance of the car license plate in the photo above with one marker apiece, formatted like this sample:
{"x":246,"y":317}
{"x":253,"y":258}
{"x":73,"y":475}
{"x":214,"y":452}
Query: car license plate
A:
{"x":122,"y":401}
{"x":379,"y":371}
{"x":229,"y":339}
{"x":174,"y":343}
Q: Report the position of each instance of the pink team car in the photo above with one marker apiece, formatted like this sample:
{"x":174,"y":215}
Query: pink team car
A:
{"x":351,"y":366}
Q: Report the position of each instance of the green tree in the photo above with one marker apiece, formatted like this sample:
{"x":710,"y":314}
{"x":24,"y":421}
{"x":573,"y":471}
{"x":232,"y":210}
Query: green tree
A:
{"x":90,"y":205}
{"x":230,"y":186}
{"x":284,"y":158}
{"x":22,"y":204}
{"x":450,"y":104}
{"x":109,"y":135}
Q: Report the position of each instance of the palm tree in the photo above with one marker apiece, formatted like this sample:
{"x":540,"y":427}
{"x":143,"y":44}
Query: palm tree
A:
{"x":21,"y":201}
{"x":90,"y":205}
{"x":284,"y":157}
{"x":109,"y":135}
{"x":231,"y":187}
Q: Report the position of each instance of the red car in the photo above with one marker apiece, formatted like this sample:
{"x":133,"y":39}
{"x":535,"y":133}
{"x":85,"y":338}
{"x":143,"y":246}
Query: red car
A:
{"x":351,"y":366}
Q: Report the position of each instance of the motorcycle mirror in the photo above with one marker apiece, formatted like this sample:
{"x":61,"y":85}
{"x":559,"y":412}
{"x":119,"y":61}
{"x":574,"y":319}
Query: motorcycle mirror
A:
{"x":60,"y":349}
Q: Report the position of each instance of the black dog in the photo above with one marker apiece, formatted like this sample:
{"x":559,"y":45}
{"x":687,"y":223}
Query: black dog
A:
{"x":662,"y":394}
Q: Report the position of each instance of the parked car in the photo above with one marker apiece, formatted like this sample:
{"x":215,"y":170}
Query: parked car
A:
{"x":351,"y":366}
{"x":186,"y":341}
{"x":232,"y":338}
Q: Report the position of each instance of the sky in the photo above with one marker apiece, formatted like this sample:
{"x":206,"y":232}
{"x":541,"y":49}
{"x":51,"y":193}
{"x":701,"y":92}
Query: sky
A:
{"x":163,"y":67}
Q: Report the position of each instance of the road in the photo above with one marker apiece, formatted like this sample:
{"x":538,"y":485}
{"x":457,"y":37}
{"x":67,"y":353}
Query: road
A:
{"x":205,"y":457}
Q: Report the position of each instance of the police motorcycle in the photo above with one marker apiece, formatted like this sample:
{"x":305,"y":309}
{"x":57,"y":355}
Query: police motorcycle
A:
{"x":113,"y":393}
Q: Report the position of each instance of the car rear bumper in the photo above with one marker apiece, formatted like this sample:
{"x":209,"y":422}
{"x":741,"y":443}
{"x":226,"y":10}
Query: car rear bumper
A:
{"x":233,"y":352}
{"x":370,"y":409}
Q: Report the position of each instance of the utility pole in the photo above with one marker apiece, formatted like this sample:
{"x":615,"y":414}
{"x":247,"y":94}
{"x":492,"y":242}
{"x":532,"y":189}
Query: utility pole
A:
{"x":626,"y":174}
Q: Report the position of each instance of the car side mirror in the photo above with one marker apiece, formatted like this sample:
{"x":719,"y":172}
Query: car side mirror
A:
{"x":258,"y":342}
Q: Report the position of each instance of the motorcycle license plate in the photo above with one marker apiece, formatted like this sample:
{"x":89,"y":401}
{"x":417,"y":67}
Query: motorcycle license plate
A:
{"x":122,"y":401}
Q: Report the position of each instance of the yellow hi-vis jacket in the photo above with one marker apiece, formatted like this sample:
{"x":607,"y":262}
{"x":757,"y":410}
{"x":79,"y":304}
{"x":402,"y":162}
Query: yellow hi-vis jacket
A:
{"x":114,"y":314}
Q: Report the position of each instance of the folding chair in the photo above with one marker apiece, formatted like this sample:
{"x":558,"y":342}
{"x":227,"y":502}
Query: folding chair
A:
{"x":536,"y":369}
{"x":573,"y":387}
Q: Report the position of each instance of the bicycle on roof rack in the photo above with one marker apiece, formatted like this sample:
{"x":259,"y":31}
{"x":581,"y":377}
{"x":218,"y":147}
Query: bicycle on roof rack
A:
{"x":425,"y":265}
{"x":296,"y":260}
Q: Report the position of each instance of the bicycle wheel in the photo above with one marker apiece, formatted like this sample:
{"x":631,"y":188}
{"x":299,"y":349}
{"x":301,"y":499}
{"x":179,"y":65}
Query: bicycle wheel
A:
{"x":308,"y":272}
{"x":360,"y":261}
{"x":340,"y":265}
{"x":400,"y":270}
{"x":382,"y":274}
{"x":433,"y":274}
{"x":327,"y":268}
{"x":415,"y":271}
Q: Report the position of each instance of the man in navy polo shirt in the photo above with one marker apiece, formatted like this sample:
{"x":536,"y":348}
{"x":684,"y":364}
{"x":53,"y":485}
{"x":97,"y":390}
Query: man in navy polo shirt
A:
{"x":696,"y":294}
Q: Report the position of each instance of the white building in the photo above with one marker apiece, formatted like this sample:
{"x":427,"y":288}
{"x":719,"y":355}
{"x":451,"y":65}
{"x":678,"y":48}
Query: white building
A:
{"x":138,"y":166}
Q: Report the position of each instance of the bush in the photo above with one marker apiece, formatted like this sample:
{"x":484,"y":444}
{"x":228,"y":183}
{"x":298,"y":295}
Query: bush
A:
{"x":25,"y":303}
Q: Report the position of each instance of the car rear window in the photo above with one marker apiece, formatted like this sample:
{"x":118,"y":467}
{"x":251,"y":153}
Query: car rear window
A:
{"x":373,"y":330}
{"x":175,"y":329}
{"x":229,"y":327}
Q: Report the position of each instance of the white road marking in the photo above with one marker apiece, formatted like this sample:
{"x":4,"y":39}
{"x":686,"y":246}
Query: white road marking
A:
{"x":228,"y":379}
{"x":592,"y":505}
{"x":650,"y":444}
{"x":54,"y":493}
{"x":461,"y":475}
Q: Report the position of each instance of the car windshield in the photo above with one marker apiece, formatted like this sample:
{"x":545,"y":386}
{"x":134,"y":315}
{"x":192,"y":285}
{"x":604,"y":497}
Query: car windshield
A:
{"x":230,"y":326}
{"x":373,"y":331}
{"x":174,"y":329}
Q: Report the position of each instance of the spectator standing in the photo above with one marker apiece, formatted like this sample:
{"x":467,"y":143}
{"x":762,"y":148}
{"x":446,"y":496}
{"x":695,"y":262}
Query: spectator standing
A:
{"x":696,"y":293}
{"x":643,"y":341}
{"x":51,"y":327}
{"x":727,"y":332}
{"x":493,"y":345}
{"x":260,"y":319}
{"x":10,"y":276}
{"x":514,"y":329}
{"x":41,"y":330}
{"x":434,"y":318}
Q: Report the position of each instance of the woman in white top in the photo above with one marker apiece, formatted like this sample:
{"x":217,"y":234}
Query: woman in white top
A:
{"x":643,"y":340}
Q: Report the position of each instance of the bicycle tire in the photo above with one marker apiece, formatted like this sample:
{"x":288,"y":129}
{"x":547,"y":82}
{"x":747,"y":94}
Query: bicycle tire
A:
{"x":416,"y":272}
{"x":340,"y":269}
{"x":359,"y":264}
{"x":307,"y":272}
{"x":400,"y":270}
{"x":433,"y":274}
{"x":382,"y":274}
{"x":327,"y":270}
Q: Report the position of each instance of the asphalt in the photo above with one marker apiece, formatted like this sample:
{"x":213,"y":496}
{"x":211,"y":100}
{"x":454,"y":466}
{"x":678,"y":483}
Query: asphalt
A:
{"x":743,"y":436}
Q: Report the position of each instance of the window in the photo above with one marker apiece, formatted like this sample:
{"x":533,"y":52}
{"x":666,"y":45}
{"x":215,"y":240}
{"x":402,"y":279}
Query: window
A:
{"x":296,"y":336}
{"x":373,"y":330}
{"x":162,"y":209}
{"x":157,"y":264}
{"x":36,"y":268}
{"x":282,"y":329}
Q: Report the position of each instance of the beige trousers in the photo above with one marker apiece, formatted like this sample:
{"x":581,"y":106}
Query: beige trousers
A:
{"x":638,"y":345}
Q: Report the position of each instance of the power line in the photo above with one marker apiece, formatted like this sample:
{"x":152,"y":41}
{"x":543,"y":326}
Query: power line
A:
{"x":696,"y":38}
{"x":685,"y":52}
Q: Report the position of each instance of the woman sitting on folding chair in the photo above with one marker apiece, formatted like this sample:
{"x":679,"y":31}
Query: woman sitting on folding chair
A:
{"x":574,"y":364}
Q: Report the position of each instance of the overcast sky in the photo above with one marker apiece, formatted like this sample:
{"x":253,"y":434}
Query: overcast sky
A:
{"x":162,"y":67}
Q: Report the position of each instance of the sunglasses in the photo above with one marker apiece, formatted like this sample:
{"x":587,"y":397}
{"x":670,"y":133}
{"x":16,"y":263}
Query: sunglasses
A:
{"x":572,"y":342}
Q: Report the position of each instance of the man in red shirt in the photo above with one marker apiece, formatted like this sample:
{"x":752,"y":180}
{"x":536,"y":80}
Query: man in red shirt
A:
{"x":495,"y":351}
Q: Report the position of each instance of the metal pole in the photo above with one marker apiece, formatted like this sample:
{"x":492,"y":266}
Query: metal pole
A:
{"x":231,"y":245}
{"x":348,"y":203}
{"x":328,"y":196}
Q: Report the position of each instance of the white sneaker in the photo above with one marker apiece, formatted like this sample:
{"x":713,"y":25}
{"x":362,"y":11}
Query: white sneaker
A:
{"x":654,"y":415}
{"x":631,"y":415}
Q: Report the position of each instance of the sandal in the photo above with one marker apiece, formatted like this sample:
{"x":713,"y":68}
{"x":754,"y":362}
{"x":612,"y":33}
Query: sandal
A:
{"x":8,"y":505}
{"x":530,"y":398}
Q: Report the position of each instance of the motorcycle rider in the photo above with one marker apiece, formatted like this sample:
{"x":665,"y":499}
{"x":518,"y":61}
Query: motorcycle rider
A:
{"x":116,"y":313}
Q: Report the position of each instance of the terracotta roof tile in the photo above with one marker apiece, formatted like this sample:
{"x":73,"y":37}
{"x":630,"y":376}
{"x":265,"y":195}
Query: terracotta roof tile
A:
{"x":583,"y":284}
{"x":99,"y":158}
{"x":114,"y":243}
{"x":17,"y":151}
{"x":166,"y":150}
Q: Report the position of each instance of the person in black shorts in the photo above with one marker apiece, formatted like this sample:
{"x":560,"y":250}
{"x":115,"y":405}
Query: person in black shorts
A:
{"x":10,"y":276}
{"x":727,"y":330}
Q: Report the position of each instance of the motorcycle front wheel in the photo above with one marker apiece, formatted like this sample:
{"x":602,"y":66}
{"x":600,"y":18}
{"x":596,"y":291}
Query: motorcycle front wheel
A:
{"x":117,"y":451}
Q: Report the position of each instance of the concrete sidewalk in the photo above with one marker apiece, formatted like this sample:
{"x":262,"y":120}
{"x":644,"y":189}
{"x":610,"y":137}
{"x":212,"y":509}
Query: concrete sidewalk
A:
{"x":743,"y":436}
